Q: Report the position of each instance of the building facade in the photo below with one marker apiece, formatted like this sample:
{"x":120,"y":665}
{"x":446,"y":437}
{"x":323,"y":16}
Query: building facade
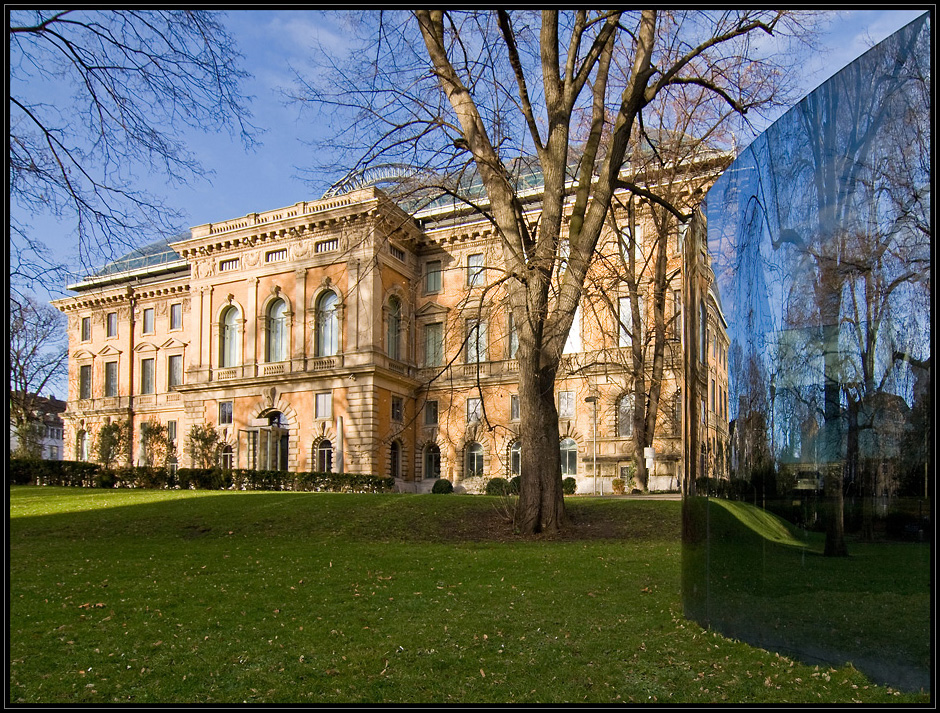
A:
{"x":346,"y":334}
{"x":48,"y":428}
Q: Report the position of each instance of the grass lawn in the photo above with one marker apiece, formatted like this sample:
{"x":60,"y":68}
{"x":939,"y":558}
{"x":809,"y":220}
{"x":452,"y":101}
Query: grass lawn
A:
{"x":133,"y":596}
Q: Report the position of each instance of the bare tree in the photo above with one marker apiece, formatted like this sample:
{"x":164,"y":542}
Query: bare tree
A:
{"x":489,"y":94}
{"x":97,"y":96}
{"x":38,"y":356}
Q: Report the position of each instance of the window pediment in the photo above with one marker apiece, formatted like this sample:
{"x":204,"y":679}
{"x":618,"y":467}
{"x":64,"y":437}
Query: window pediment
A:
{"x":145,"y":347}
{"x":432,"y":309}
{"x":109,"y":350}
{"x":173,"y":344}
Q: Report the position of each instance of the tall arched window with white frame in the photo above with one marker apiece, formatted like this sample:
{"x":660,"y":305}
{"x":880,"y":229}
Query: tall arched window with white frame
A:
{"x":393,"y":338}
{"x":327,"y":325}
{"x":276,"y":343}
{"x":228,"y":337}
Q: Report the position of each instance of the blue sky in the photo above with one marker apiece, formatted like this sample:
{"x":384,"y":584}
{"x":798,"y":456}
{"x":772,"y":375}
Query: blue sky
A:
{"x":268,"y":177}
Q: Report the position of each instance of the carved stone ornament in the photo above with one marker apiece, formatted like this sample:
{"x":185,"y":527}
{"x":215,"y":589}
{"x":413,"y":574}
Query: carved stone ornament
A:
{"x":252,"y":258}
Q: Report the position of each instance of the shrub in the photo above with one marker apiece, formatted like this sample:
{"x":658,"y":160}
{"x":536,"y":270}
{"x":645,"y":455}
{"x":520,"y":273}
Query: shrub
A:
{"x":497,"y":486}
{"x":514,"y":485}
{"x":569,"y":485}
{"x":618,"y":486}
{"x":443,"y":486}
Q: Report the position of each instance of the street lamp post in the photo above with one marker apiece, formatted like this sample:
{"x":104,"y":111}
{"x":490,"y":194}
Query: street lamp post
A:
{"x":593,"y":400}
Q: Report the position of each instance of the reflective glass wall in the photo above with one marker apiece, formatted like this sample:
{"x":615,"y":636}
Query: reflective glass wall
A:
{"x":820,"y":544}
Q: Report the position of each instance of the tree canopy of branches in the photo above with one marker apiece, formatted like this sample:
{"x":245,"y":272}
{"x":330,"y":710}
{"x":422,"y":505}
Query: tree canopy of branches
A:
{"x":481,"y":95}
{"x":38,"y":357}
{"x":97,"y":98}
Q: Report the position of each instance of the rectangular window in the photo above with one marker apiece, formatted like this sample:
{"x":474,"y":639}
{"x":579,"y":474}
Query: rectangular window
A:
{"x":171,"y":432}
{"x":275,"y":255}
{"x":111,"y":378}
{"x":86,"y":329}
{"x":475,"y":270}
{"x":225,"y":412}
{"x":323,"y":406}
{"x":176,"y":316}
{"x":226,"y":265}
{"x":514,"y":407}
{"x":53,"y":453}
{"x":476,"y":341}
{"x":566,"y":404}
{"x":637,"y":247}
{"x":573,"y":343}
{"x":712,"y":395}
{"x":432,"y":276}
{"x":513,"y":338}
{"x":677,"y":313}
{"x":112,"y":324}
{"x":625,"y":315}
{"x":325,"y":246}
{"x":148,"y":320}
{"x":398,"y":409}
{"x":175,"y":370}
{"x":474,"y":410}
{"x":396,"y":252}
{"x":430,"y":413}
{"x":434,"y":344}
{"x":84,"y":382}
{"x":146,"y":376}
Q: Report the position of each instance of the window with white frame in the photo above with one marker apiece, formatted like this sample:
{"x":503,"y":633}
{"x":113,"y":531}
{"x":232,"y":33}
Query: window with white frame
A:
{"x":474,"y":460}
{"x":112,"y":324}
{"x":398,"y":409}
{"x":323,"y":405}
{"x":111,"y":378}
{"x":174,"y":376}
{"x":147,"y":372}
{"x":277,"y":331}
{"x":327,"y":324}
{"x":513,"y":407}
{"x":148,"y":327}
{"x":569,"y":457}
{"x":434,"y":344}
{"x":625,"y":416}
{"x":513,"y":337}
{"x":430,"y":413}
{"x":84,"y":381}
{"x":393,"y":336}
{"x":86,"y":329}
{"x":227,"y":265}
{"x":476,"y":341}
{"x":176,"y":316}
{"x":432,"y":276}
{"x":228,"y":338}
{"x":474,"y":409}
{"x":475,"y":275}
{"x":515,"y":459}
{"x":566,"y":404}
{"x":225,"y":412}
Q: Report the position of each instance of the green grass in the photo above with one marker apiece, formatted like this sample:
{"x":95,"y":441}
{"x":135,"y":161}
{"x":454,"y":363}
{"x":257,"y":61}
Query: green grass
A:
{"x":219,"y":597}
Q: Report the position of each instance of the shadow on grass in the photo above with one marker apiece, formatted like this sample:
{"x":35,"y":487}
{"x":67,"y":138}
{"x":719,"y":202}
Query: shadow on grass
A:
{"x":755,"y":577}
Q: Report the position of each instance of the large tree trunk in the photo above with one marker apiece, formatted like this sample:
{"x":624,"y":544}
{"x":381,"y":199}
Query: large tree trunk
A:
{"x":541,"y":506}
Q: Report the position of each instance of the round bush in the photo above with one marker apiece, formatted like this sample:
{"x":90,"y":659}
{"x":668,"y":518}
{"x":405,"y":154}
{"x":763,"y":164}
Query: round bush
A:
{"x":497,"y":486}
{"x":569,"y":485}
{"x":618,"y":486}
{"x":443,"y":486}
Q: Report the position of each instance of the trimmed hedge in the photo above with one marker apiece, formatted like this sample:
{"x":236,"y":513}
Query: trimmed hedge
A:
{"x":497,"y":486}
{"x":442,"y":487}
{"x":91,"y":475}
{"x":569,"y":485}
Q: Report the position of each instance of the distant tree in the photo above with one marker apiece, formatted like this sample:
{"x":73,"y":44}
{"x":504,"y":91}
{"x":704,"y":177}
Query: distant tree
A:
{"x":204,"y":445}
{"x":38,"y":357}
{"x":113,"y":443}
{"x":96,"y":96}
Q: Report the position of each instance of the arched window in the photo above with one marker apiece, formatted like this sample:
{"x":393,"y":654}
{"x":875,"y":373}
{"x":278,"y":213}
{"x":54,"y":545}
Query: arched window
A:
{"x":515,"y":459}
{"x":569,"y":457}
{"x":474,"y":460}
{"x":625,"y":416}
{"x":228,"y":338}
{"x":81,"y":446}
{"x":393,"y":340}
{"x":327,"y":325}
{"x":226,"y":457}
{"x":276,"y":349}
{"x":395,"y":453}
{"x":432,"y":461}
{"x":324,"y":456}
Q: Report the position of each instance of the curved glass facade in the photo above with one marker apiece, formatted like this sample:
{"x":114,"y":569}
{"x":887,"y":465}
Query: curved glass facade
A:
{"x":819,"y":545}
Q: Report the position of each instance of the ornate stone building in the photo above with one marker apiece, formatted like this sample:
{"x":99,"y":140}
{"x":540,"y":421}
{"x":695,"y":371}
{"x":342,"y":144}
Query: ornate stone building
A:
{"x":347,"y":334}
